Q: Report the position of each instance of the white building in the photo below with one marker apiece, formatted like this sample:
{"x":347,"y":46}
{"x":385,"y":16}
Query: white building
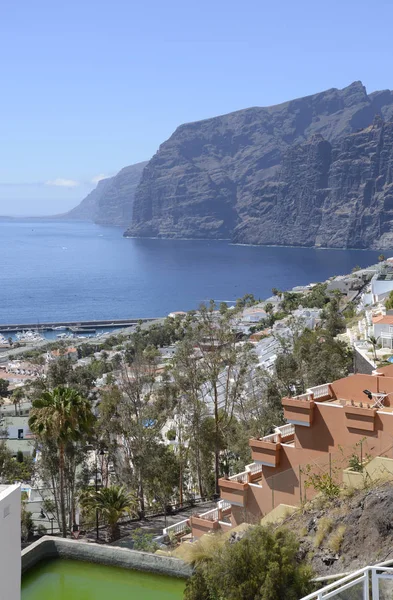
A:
{"x":381,"y":286}
{"x":10,"y":549}
{"x":383,"y":330}
{"x":16,"y":427}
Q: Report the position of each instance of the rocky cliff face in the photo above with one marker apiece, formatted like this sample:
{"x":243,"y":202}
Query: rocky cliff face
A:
{"x":111,"y":202}
{"x":330,"y":195}
{"x":87,"y":209}
{"x":300,"y":173}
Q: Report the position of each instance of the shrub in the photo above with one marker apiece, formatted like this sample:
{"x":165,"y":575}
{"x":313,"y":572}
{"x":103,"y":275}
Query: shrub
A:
{"x":355,"y":464}
{"x":263,"y":565}
{"x":41,"y":529}
{"x":203,"y":550}
{"x":143,"y":541}
{"x":323,"y":529}
{"x":171,"y":434}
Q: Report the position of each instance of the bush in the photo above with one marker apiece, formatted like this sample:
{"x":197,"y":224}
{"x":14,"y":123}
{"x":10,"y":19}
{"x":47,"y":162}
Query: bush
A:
{"x":355,"y":464}
{"x":263,"y":565}
{"x":41,"y":529}
{"x":323,"y":529}
{"x":143,"y":541}
{"x":171,"y":434}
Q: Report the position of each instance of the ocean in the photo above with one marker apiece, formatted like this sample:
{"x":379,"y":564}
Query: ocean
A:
{"x":52,"y":271}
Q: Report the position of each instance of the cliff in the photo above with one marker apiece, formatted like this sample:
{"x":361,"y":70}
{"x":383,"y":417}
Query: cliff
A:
{"x":336,"y":195}
{"x":299,"y":173}
{"x":111,"y":202}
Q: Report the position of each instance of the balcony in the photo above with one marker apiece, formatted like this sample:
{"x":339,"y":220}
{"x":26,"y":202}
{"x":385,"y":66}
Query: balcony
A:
{"x":321,"y":393}
{"x":300,"y":409}
{"x":360,"y":417}
{"x":212,"y":520}
{"x":267,"y":450}
{"x":234,"y":489}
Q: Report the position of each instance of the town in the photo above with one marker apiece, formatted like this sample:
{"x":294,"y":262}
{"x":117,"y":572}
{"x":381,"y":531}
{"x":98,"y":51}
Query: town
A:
{"x":155,"y":436}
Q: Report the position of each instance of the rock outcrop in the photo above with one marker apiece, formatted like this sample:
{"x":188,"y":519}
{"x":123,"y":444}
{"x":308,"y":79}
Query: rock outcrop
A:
{"x":312,"y":171}
{"x":111,"y":202}
{"x":329,"y":195}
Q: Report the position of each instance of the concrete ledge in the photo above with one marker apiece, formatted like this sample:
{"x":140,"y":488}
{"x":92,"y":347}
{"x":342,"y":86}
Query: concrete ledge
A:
{"x":49,"y":547}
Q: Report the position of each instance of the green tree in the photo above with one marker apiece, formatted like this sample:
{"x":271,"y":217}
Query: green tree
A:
{"x":4,"y":385}
{"x":332,"y":319}
{"x":27,"y":523}
{"x":374,"y":343}
{"x":12,"y":470}
{"x":225,"y":368}
{"x":381,"y":258}
{"x":321,"y":358}
{"x":162,"y":478}
{"x":189,"y":409}
{"x":112,"y":503}
{"x":131,"y":411}
{"x":17,"y":397}
{"x":389,"y":302}
{"x":263,"y":565}
{"x":61,"y":417}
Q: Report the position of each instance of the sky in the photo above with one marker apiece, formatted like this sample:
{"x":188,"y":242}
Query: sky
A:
{"x":90,"y":86}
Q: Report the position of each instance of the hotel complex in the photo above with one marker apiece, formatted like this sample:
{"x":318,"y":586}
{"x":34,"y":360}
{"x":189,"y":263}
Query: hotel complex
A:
{"x":325,"y":427}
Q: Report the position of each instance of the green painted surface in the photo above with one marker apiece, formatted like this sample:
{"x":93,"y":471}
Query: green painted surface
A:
{"x":74,"y":580}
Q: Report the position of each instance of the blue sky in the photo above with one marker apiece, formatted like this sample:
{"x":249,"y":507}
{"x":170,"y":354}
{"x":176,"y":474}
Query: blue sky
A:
{"x":88,"y":87}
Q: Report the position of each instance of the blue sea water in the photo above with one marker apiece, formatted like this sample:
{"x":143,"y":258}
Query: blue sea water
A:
{"x":53,"y":271}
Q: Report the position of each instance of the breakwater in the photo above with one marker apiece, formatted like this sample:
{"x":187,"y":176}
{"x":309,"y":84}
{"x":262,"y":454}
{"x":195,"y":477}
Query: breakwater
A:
{"x":114,"y":323}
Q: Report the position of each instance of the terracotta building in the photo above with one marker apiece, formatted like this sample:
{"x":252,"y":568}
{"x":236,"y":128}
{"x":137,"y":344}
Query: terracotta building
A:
{"x":325,"y":427}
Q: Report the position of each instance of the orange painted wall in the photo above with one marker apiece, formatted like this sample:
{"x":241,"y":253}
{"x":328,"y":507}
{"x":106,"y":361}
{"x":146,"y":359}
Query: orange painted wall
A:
{"x":329,"y":433}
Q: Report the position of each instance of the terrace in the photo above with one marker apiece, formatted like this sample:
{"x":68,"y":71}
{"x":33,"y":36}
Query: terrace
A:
{"x":265,"y":452}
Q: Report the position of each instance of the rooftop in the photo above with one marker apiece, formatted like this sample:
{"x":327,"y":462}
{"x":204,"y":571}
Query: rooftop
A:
{"x":383,"y":320}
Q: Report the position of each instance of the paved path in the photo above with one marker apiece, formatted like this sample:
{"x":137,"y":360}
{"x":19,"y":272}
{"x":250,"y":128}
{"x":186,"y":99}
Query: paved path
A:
{"x":153,"y":525}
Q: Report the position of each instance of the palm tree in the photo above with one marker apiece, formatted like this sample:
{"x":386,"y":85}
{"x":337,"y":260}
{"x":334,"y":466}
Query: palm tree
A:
{"x":16,"y":398}
{"x":374,"y":342}
{"x":112,"y":502}
{"x":61,"y":416}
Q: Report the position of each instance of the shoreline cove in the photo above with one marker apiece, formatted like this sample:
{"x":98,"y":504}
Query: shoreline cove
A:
{"x":78,"y":271}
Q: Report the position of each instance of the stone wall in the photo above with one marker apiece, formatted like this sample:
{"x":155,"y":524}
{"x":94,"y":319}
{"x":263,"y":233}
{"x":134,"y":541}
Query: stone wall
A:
{"x":49,"y":547}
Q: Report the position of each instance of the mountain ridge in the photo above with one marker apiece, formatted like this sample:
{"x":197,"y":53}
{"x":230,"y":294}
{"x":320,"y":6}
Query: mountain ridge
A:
{"x":205,"y":180}
{"x":111,"y":201}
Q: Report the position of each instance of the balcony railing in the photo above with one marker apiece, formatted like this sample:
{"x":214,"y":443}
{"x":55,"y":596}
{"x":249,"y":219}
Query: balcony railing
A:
{"x":320,"y":391}
{"x":177,"y":528}
{"x":240,"y":477}
{"x":254,"y":468}
{"x":224,"y":504}
{"x":210,"y":515}
{"x":286,"y":431}
{"x":272,"y":438}
{"x":377,"y":579}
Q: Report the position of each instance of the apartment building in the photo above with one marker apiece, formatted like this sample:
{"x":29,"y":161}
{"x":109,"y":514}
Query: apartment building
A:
{"x":325,"y":427}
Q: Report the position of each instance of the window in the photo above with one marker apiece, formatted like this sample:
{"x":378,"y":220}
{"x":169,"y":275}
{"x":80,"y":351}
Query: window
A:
{"x":20,"y":434}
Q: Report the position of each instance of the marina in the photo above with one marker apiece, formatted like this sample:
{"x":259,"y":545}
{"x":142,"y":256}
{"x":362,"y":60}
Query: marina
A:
{"x":30,"y":333}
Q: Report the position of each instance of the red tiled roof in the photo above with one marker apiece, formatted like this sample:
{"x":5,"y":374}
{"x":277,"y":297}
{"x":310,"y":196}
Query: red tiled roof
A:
{"x":383,"y":319}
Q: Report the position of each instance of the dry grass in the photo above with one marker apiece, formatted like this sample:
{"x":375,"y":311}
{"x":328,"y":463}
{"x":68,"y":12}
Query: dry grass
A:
{"x":324,"y":528}
{"x":205,"y":549}
{"x":347,"y":492}
{"x":336,"y":539}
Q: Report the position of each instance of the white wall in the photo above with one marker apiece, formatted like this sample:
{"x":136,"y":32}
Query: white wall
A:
{"x":381,"y":328}
{"x":15,"y":425}
{"x":381,"y":288}
{"x":10,"y":546}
